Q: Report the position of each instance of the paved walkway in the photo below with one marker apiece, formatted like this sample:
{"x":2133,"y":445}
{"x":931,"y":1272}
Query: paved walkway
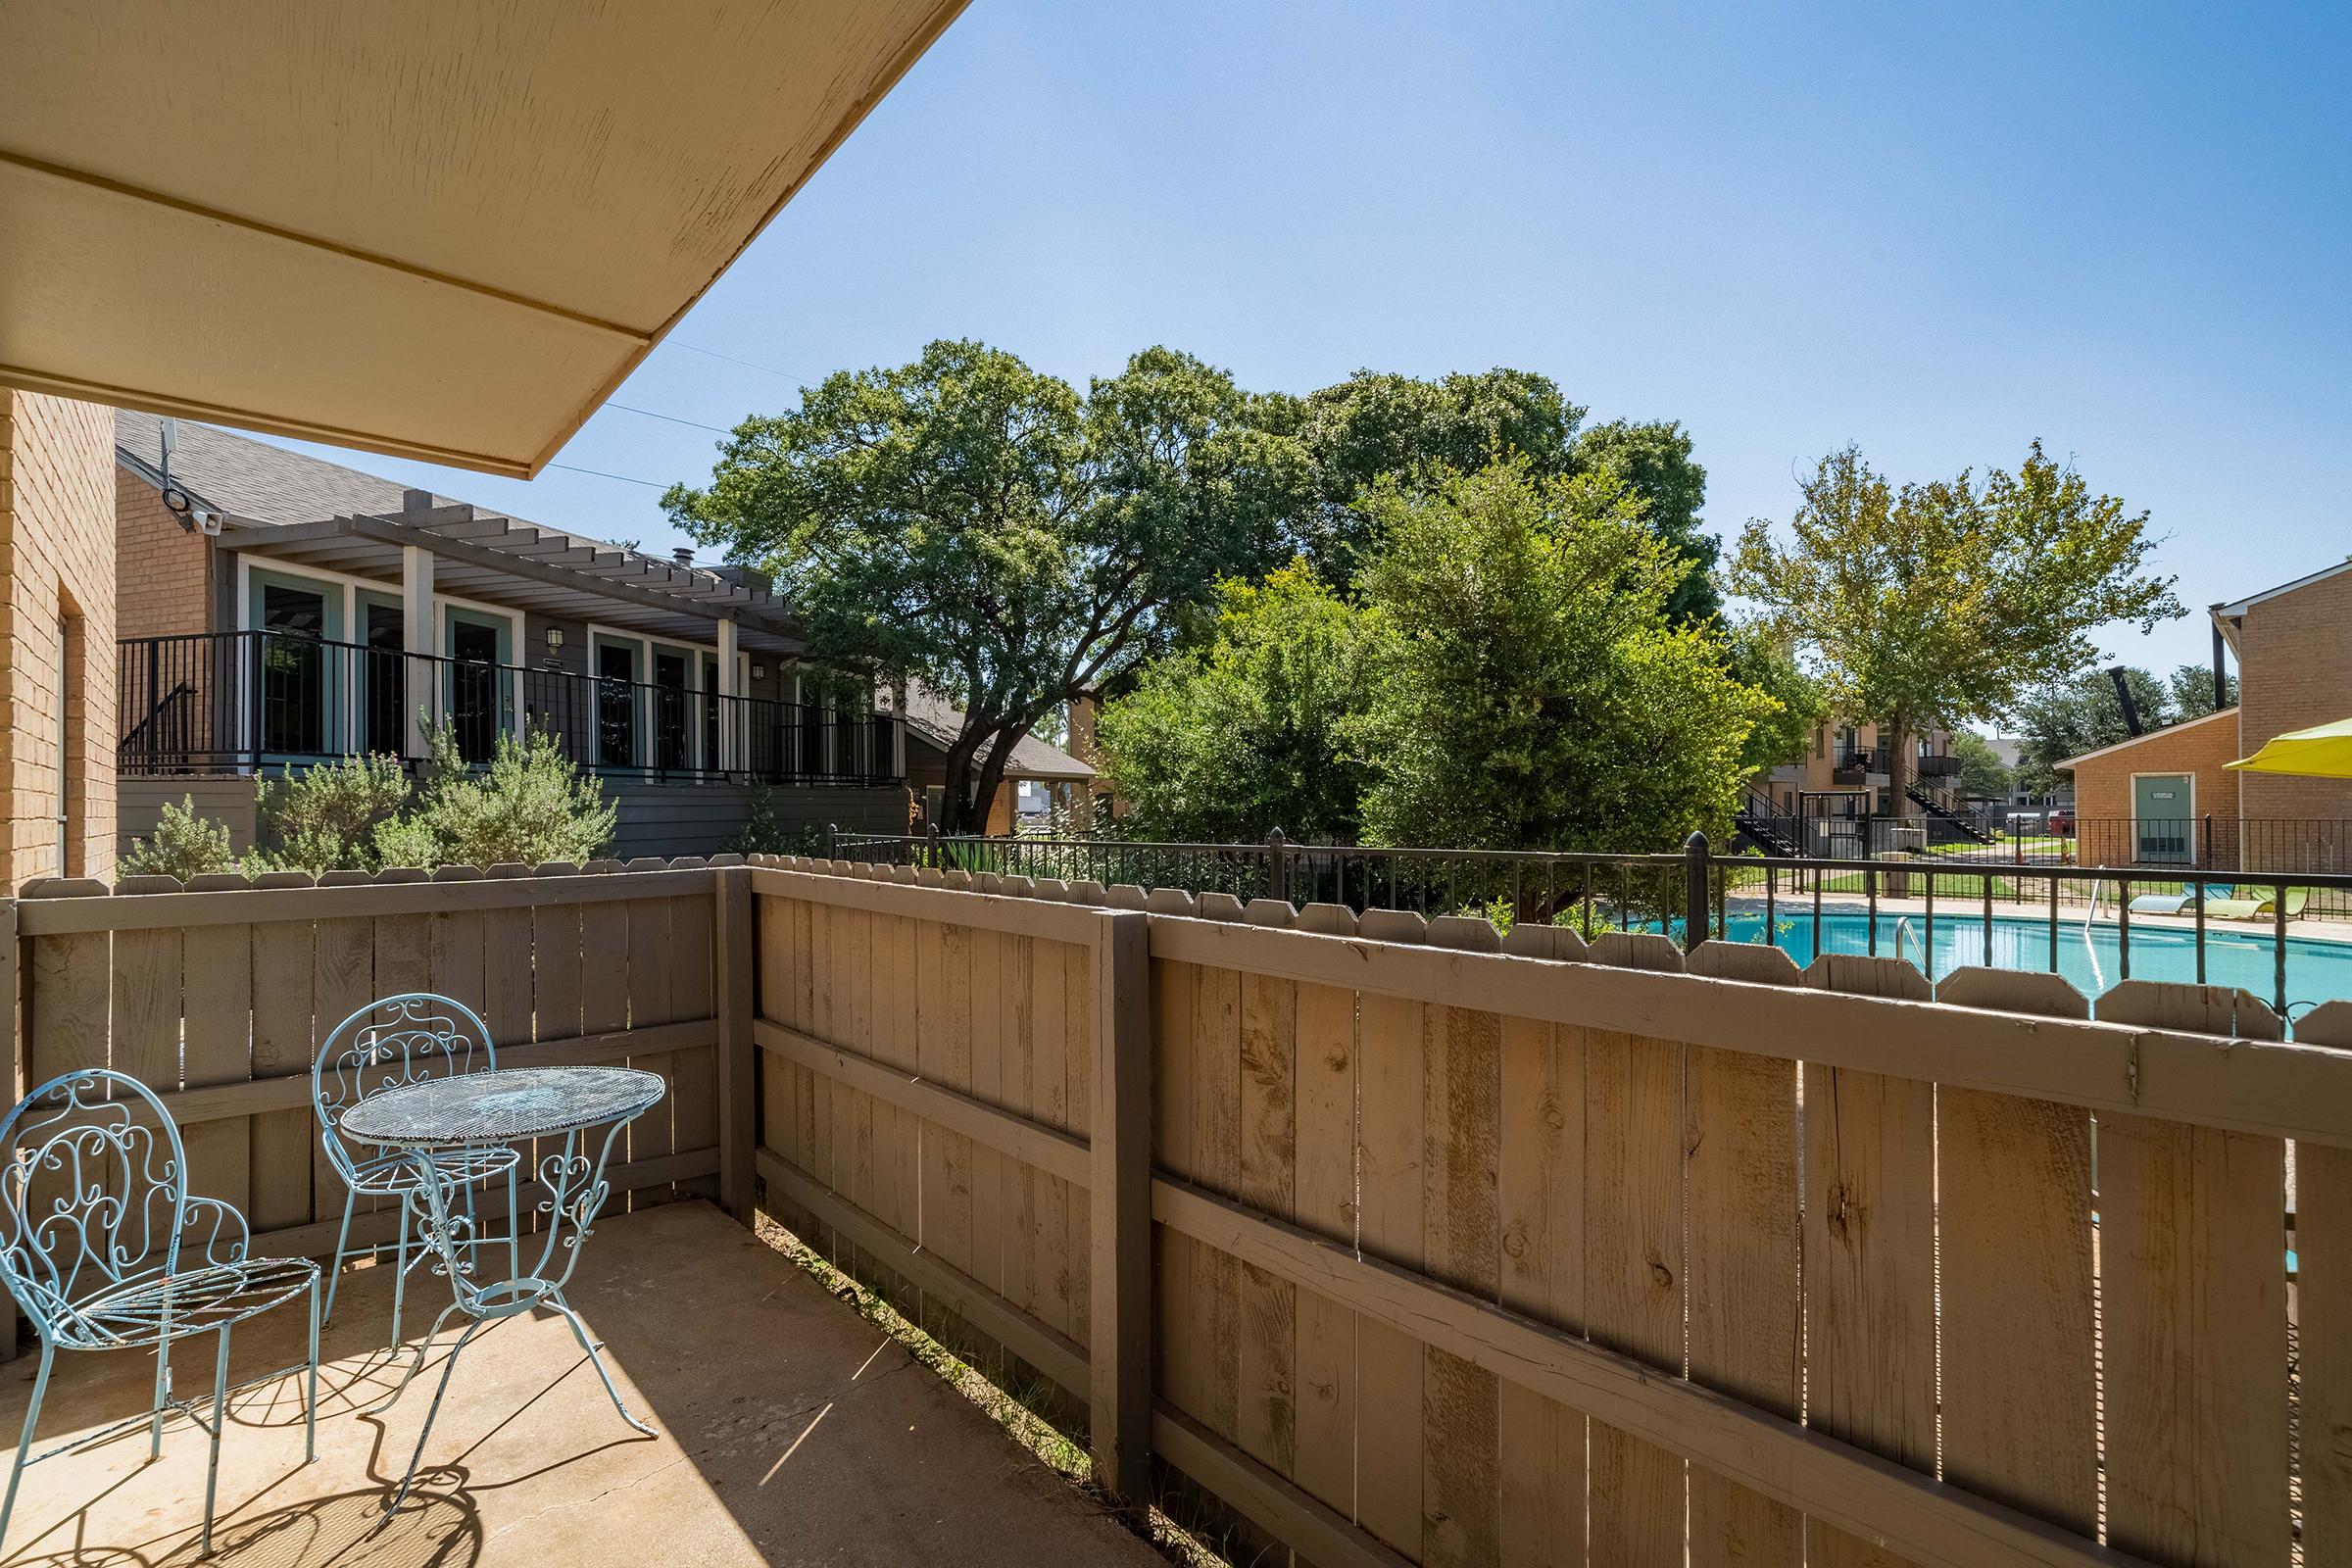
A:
{"x":792,"y":1431}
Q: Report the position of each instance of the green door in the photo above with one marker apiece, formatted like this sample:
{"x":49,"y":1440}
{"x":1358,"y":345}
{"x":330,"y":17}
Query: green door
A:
{"x":2162,"y":817}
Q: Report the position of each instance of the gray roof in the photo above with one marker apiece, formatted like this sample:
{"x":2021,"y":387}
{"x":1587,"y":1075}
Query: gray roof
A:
{"x":932,"y":718}
{"x":306,"y":510}
{"x":253,"y":479}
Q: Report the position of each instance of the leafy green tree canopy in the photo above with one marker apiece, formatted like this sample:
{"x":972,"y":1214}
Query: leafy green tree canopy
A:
{"x":1377,"y":426}
{"x":2065,"y":718}
{"x":2192,"y":691}
{"x":973,"y":523}
{"x":1529,"y":692}
{"x":1982,"y":774}
{"x":1757,"y":658}
{"x":1941,"y":602}
{"x":1246,"y":734}
{"x":1654,"y":461}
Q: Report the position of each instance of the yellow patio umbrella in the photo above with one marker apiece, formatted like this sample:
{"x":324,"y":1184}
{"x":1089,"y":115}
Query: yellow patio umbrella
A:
{"x":2322,"y":752}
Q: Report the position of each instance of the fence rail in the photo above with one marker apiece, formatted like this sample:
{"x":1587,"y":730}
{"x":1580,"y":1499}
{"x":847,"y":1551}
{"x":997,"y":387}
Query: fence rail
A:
{"x":1988,"y":904}
{"x":1465,"y":1247}
{"x":1408,"y":1239}
{"x":215,"y":702}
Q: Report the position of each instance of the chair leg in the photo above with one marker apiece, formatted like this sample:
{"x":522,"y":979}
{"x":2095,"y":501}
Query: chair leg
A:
{"x":212,"y":1464}
{"x":342,"y":1241}
{"x":33,"y":1413}
{"x":514,"y":1227}
{"x":310,"y":1404}
{"x":163,"y":1391}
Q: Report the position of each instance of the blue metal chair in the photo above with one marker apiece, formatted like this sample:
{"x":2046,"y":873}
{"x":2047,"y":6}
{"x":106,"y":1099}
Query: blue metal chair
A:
{"x":96,"y":1222}
{"x":399,"y":1040}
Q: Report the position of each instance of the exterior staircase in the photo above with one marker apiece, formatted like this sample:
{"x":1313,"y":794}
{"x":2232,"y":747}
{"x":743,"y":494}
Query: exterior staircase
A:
{"x":1771,"y":830}
{"x":1953,"y":825}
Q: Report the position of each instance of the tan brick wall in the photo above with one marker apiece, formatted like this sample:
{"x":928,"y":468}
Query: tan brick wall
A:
{"x":163,"y":571}
{"x":2103,"y":787}
{"x":57,"y":575}
{"x":2295,"y":671}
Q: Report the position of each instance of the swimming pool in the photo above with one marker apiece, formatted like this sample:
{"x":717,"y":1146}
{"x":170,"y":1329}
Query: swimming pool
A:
{"x":2316,"y":971}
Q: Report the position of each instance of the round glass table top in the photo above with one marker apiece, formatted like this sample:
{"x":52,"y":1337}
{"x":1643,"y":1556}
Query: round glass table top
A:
{"x":497,"y":1107}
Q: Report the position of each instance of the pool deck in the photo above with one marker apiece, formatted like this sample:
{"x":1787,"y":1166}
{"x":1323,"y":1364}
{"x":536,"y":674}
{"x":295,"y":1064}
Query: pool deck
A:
{"x":792,"y":1431}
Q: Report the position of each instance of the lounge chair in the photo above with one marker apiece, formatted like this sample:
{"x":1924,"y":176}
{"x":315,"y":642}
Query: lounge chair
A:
{"x":2216,"y":893}
{"x":2263,"y":907}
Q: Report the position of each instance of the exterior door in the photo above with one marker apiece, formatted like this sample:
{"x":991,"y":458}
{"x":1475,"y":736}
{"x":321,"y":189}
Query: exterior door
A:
{"x":386,"y":678}
{"x":670,"y":727}
{"x":474,"y":706}
{"x":2163,"y":818}
{"x":615,"y":705}
{"x":295,"y":620}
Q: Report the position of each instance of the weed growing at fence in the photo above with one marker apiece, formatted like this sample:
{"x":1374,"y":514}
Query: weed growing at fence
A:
{"x":1009,"y":1394}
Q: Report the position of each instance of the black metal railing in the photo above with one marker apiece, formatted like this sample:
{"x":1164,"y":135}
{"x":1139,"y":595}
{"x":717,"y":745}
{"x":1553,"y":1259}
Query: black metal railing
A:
{"x":238,"y":702}
{"x":1941,"y":911}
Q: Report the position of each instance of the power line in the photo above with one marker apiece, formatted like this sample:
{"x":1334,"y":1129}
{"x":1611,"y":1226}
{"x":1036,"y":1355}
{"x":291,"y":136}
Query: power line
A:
{"x":599,"y":473}
{"x":749,"y":364}
{"x":697,"y":424}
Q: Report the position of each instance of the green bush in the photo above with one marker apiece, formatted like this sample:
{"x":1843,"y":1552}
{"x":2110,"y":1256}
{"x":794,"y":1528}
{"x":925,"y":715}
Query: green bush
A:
{"x":184,"y":845}
{"x":326,"y":819}
{"x":763,"y":833}
{"x":530,"y":805}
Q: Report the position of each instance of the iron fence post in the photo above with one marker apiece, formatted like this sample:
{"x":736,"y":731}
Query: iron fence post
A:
{"x":1695,"y":891}
{"x":1278,"y":871}
{"x":832,"y":841}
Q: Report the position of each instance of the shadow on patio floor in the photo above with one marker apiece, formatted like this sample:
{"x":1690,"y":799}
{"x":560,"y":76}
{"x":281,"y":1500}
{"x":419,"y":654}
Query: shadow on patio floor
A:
{"x":792,"y":1431}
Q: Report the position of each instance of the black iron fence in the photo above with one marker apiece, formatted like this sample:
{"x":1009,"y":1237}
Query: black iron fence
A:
{"x":238,"y":702}
{"x":2264,"y":931}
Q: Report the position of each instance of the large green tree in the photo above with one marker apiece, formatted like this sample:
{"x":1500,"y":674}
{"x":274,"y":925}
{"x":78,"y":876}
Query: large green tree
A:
{"x":974,"y":524}
{"x":1654,"y":461}
{"x":2065,"y":718}
{"x":1757,"y":658}
{"x":1247,"y":733}
{"x":2191,"y":689}
{"x":1982,"y":774}
{"x":1532,"y":693}
{"x":1942,"y":603}
{"x":1377,"y":426}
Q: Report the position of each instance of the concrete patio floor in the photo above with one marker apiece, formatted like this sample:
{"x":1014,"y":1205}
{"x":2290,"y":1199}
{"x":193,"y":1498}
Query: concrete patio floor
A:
{"x":792,"y":1431}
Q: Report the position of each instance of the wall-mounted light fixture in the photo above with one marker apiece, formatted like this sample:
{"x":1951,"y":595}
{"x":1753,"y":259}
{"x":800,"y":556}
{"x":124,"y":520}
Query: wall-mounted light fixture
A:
{"x":554,"y":639}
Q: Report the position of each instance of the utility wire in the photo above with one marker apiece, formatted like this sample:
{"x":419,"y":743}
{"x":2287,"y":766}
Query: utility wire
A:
{"x":697,"y":424}
{"x":749,"y":364}
{"x":599,"y":473}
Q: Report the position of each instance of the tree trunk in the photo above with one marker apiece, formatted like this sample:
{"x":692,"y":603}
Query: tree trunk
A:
{"x":1898,"y":763}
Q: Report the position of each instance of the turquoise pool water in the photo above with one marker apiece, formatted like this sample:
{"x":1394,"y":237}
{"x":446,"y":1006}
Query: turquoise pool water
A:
{"x":2316,"y":971}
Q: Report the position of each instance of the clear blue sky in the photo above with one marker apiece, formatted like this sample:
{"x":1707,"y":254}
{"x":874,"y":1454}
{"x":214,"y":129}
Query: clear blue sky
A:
{"x":1936,"y":231}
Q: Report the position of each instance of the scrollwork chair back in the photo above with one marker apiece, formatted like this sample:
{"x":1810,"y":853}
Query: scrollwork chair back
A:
{"x":406,"y":1039}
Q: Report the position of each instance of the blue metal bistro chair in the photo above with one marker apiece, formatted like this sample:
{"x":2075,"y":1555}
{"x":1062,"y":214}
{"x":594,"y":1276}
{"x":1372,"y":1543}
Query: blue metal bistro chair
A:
{"x":406,"y":1039}
{"x":105,"y":1250}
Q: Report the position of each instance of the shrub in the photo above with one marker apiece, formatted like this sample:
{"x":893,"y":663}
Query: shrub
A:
{"x":326,"y":818}
{"x":184,"y":845}
{"x":530,"y":805}
{"x":763,"y":833}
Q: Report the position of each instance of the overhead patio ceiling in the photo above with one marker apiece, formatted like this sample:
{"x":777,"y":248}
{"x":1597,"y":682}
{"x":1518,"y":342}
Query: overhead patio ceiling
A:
{"x":443,"y":229}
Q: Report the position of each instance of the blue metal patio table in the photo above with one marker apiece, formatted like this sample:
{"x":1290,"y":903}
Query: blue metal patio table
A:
{"x":478,"y":1110}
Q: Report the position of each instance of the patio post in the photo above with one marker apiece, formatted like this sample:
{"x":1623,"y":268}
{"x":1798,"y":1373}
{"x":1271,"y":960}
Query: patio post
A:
{"x":418,"y":643}
{"x":1119,"y":1394}
{"x":728,"y":745}
{"x":736,"y":949}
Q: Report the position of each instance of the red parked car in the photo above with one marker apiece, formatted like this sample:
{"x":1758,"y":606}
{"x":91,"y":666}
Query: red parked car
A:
{"x":2062,"y":821}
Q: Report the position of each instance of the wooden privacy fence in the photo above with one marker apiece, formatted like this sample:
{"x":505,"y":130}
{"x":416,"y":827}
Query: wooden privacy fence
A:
{"x":1415,"y":1245}
{"x":219,"y":997}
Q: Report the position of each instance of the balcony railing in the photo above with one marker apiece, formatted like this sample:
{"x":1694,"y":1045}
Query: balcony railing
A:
{"x":247,"y":700}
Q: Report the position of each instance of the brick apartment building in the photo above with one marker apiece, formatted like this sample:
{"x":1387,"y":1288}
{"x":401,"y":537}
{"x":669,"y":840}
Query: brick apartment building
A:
{"x":57,"y":635}
{"x":2168,"y":797}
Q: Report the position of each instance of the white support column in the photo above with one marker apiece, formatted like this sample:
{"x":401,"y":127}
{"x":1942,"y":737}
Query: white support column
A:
{"x":419,"y":620}
{"x":730,"y":745}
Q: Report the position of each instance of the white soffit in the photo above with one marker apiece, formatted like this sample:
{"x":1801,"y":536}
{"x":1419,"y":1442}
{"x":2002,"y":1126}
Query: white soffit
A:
{"x":443,"y":229}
